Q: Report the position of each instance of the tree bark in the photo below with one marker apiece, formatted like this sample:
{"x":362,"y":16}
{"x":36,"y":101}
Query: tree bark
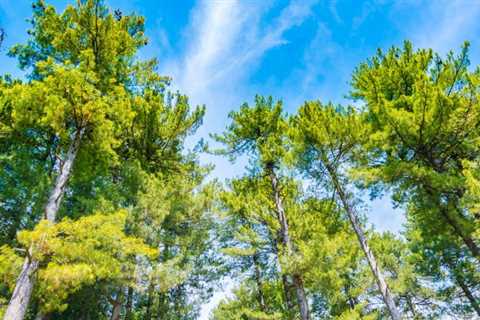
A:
{"x":287,"y":289}
{"x":467,"y":240}
{"x":301,"y":296}
{"x":453,"y":223}
{"x":116,"y":311}
{"x":129,"y":304}
{"x":22,"y":293}
{"x":468,"y":293}
{"x":285,"y":238}
{"x":18,"y":305}
{"x":148,"y":312}
{"x":258,"y":280}
{"x":379,"y":278}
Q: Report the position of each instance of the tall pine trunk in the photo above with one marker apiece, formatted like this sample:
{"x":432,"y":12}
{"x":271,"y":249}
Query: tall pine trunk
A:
{"x":22,"y":293}
{"x":379,"y":278}
{"x":287,"y":243}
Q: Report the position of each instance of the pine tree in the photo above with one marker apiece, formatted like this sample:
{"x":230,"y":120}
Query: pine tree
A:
{"x":260,"y":132}
{"x":423,"y":113}
{"x":77,"y":94}
{"x":324,"y":139}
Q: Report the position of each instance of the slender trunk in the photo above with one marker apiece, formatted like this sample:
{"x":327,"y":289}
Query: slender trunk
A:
{"x":129,"y":304}
{"x":453,"y":223}
{"x":22,"y":293}
{"x":117,"y":308}
{"x":148,"y":312}
{"x":467,"y":240}
{"x":382,"y":284}
{"x":285,"y":237}
{"x":117,"y":305}
{"x":287,"y":286}
{"x":258,"y":280}
{"x":287,"y":289}
{"x":301,"y":297}
{"x":460,"y":280}
{"x":468,"y":293}
{"x":58,"y":191}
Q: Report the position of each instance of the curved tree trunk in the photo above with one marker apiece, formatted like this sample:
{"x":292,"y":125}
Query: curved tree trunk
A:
{"x":22,"y":293}
{"x":287,"y":243}
{"x":379,"y":278}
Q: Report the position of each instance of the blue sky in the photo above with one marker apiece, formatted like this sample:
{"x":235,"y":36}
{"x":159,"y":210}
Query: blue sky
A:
{"x":222,"y":52}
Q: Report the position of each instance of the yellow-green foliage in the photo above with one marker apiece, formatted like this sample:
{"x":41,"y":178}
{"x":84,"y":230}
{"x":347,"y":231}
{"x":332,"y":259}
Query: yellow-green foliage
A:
{"x":73,"y":254}
{"x":10,"y":264}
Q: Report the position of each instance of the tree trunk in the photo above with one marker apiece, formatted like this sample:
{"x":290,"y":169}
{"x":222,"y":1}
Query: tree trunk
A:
{"x":382,"y":284}
{"x":460,"y":280}
{"x":117,"y":309}
{"x":453,"y":223}
{"x":129,"y":304}
{"x":301,"y":297}
{"x":468,"y":293}
{"x":148,"y":312}
{"x":285,"y":238}
{"x":22,"y":293}
{"x":467,"y":240}
{"x":287,"y":289}
{"x":258,"y":280}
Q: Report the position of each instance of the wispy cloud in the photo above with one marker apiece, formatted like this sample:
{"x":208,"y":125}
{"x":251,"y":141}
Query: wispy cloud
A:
{"x":227,"y":41}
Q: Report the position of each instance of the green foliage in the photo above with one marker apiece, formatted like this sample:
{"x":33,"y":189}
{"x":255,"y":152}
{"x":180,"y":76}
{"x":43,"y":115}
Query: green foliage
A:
{"x":73,"y":254}
{"x":257,"y":130}
{"x":244,"y":305}
{"x":140,"y":228}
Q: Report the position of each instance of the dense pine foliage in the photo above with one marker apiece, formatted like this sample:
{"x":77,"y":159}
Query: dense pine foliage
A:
{"x":106,"y":214}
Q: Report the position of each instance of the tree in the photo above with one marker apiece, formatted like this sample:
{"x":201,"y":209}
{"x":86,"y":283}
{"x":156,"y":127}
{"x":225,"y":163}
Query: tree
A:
{"x":324,"y":139}
{"x":77,"y":95}
{"x":259,"y":131}
{"x":423,"y":112}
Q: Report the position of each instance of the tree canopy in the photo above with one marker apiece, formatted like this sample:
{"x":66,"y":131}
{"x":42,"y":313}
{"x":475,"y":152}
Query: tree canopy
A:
{"x":107,"y":212}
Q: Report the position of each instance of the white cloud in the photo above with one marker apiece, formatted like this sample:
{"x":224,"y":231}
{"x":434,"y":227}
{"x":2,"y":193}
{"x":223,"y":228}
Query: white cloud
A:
{"x":226,"y":41}
{"x":226,"y":45}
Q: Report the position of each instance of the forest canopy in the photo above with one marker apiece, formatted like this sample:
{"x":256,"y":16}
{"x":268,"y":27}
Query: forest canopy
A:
{"x":106,"y":212}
